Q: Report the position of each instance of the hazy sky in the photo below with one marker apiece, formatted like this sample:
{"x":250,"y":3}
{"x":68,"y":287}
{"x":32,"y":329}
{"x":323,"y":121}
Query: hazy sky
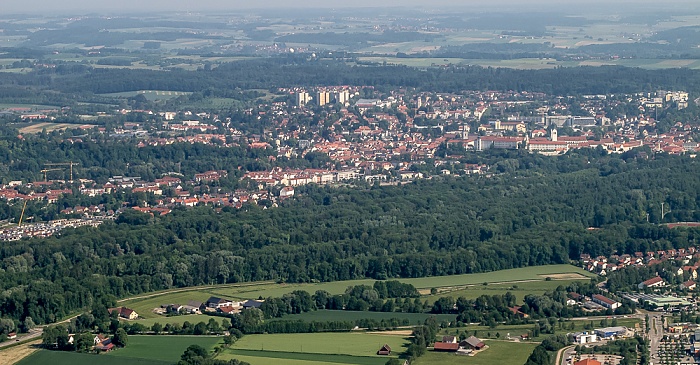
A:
{"x":134,"y":6}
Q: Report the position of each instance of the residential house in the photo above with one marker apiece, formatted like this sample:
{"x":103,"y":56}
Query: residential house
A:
{"x":688,"y":285}
{"x":228,"y":310}
{"x":124,"y":312}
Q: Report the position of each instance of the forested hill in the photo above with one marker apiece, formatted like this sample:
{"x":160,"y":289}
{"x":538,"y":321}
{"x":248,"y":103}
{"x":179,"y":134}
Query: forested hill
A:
{"x":525,"y":215}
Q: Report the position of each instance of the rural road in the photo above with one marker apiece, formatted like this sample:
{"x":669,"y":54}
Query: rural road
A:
{"x":192,"y":288}
{"x":33,"y":334}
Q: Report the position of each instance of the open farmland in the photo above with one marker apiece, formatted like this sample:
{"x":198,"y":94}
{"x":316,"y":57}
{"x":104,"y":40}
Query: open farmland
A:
{"x":73,"y":358}
{"x":314,"y":348}
{"x":162,"y":348}
{"x":38,"y":127}
{"x":151,"y":95}
{"x":533,"y":63}
{"x":532,"y":280}
{"x":14,"y":354}
{"x":336,"y":315}
{"x":499,"y":352}
{"x":520,"y":290}
{"x":157,"y":350}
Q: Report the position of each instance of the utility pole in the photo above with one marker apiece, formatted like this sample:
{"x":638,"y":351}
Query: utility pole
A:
{"x":663,"y":213}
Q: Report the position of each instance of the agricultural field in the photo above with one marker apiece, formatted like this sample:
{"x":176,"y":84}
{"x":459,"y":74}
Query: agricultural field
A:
{"x":499,"y":352}
{"x":335,"y":315}
{"x":501,"y":280}
{"x":192,"y":318}
{"x":520,"y":290}
{"x":162,"y":348}
{"x":14,"y":354}
{"x":534,"y":63}
{"x":314,"y":348}
{"x":43,"y":357}
{"x":156,"y":350}
{"x":151,"y":95}
{"x":38,"y":127}
{"x":484,"y":332}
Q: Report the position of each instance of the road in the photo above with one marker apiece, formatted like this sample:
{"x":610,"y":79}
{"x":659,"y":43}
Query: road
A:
{"x":33,"y":334}
{"x":563,"y":354}
{"x":656,"y":332}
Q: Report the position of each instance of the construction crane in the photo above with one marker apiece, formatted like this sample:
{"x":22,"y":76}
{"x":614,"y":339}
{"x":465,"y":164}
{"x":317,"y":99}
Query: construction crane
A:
{"x":47,"y":170}
{"x":22,"y":215}
{"x":71,"y":164}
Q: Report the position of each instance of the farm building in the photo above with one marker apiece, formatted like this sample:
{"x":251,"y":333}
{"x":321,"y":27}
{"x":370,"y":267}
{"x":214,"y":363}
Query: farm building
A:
{"x":252,"y":304}
{"x":385,"y":350}
{"x":449,"y":339}
{"x":473,"y":343}
{"x":446,"y":346}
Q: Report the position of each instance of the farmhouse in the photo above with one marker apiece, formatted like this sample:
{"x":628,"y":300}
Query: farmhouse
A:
{"x":215,"y":302}
{"x":103,"y":343}
{"x":124,"y":312}
{"x":385,"y":350}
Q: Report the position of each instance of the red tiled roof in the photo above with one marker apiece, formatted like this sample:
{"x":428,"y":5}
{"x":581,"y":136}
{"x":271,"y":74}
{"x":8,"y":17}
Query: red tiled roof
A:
{"x":587,"y":362}
{"x":446,"y":346}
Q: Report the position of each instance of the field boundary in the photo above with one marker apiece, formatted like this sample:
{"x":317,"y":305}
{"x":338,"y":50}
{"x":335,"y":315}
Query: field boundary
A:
{"x":309,"y":356}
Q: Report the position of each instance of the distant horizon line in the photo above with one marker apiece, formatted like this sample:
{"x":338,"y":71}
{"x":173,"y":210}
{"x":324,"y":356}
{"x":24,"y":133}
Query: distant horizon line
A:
{"x":485,"y":6}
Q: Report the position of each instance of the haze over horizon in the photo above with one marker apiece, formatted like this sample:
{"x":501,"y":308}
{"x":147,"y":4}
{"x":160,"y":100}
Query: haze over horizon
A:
{"x":135,"y":6}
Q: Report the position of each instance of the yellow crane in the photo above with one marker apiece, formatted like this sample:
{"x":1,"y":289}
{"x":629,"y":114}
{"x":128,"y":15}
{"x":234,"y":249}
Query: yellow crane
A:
{"x":71,"y":164}
{"x":22,"y":215}
{"x":47,"y":170}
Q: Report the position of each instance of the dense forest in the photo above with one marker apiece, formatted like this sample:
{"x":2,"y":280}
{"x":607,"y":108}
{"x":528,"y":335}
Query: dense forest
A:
{"x":535,"y":214}
{"x":301,"y":70}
